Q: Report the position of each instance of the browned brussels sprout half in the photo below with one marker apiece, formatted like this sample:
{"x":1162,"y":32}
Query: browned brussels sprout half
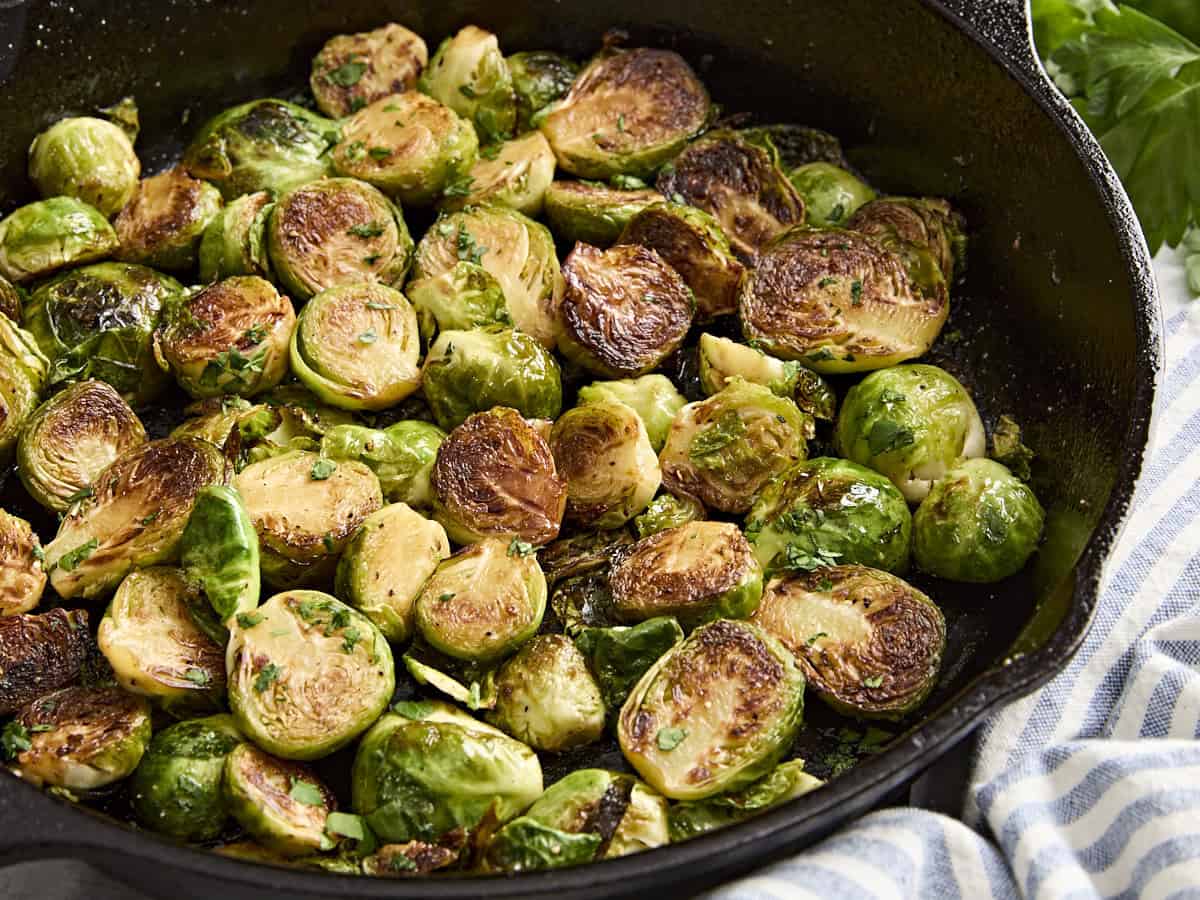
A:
{"x":468,"y":74}
{"x":11,"y":300}
{"x":579,"y":554}
{"x":282,"y":804}
{"x":86,"y":158}
{"x":654,"y":398}
{"x":514,"y":174}
{"x":695,"y":817}
{"x":797,"y":145}
{"x":161,"y":226}
{"x":22,"y":575}
{"x":235,"y":241}
{"x":353,"y":70}
{"x":40,"y":653}
{"x":722,"y":361}
{"x":592,"y":212}
{"x":53,"y":234}
{"x":914,"y":227}
{"x":539,"y":77}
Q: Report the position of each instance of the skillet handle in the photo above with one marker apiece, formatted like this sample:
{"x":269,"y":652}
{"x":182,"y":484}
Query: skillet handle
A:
{"x":1006,"y":25}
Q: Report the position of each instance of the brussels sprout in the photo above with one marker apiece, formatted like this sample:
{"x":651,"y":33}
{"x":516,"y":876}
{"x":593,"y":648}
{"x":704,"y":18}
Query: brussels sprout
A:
{"x":618,"y":657}
{"x":583,"y":601}
{"x":869,"y":644}
{"x":653,"y":397}
{"x":219,"y":552}
{"x":723,"y":360}
{"x":408,"y":145}
{"x":303,"y":414}
{"x":353,"y":70}
{"x":514,"y":174}
{"x":740,"y":184}
{"x":604,"y":453}
{"x":471,"y":683}
{"x":52,"y":234}
{"x":827,"y":512}
{"x":593,"y":213}
{"x":164,"y":221}
{"x":401,"y":456}
{"x":86,"y":158}
{"x":624,"y":310}
{"x":1009,"y":450}
{"x":539,"y":78}
{"x":263,"y":145}
{"x":831,"y":194}
{"x":461,"y":298}
{"x":385,"y":565}
{"x":627,"y":113}
{"x":483,"y":602}
{"x":176,"y":789}
{"x":715,"y":713}
{"x":580,"y":554}
{"x":132,"y":515}
{"x":22,"y":576}
{"x":23,"y":371}
{"x":11,"y":300}
{"x":217,"y":418}
{"x":337,"y":231}
{"x":308,"y":675}
{"x":495,"y":477}
{"x":695,"y":817}
{"x":424,"y":776}
{"x":357,"y":347}
{"x":283,"y":805}
{"x":468,"y":74}
{"x":516,"y":251}
{"x":911,"y":423}
{"x":304,"y":508}
{"x":472,"y":371}
{"x":408,"y":859}
{"x":99,"y":321}
{"x":914,"y":227}
{"x":980,"y":523}
{"x":235,"y":241}
{"x":82,"y":738}
{"x":797,"y":145}
{"x":668,"y":511}
{"x":40,"y":653}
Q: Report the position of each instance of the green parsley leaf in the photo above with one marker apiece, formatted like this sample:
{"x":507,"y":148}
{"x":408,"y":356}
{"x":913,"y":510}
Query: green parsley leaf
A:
{"x":856,"y":289}
{"x":347,"y":74}
{"x":150,"y":518}
{"x":368,"y":337}
{"x":357,"y":103}
{"x":322,"y":469}
{"x":71,"y":560}
{"x":727,"y":429}
{"x":490,"y":152}
{"x":14,"y":739}
{"x":518,"y":547}
{"x":38,"y":553}
{"x":350,"y":637}
{"x":413,"y":709}
{"x":267,"y":676}
{"x":873,"y":681}
{"x":248,"y":620}
{"x":365,"y":230}
{"x":82,"y":494}
{"x":816,"y":637}
{"x":306,"y":792}
{"x":327,"y":541}
{"x":255,"y":334}
{"x":466,"y":249}
{"x":198,"y":677}
{"x":375,"y":304}
{"x":467,"y":91}
{"x":446,"y":597}
{"x":670,"y":738}
{"x":886,"y":436}
{"x":379,"y":152}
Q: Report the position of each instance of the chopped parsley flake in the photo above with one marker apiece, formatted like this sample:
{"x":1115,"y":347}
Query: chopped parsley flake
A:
{"x":322,"y":469}
{"x":670,"y":738}
{"x":267,"y":676}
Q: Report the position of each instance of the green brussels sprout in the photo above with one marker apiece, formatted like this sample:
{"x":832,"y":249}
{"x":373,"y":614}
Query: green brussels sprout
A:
{"x":514,"y":174}
{"x":831,"y":194}
{"x":668,"y":511}
{"x":653,"y":397}
{"x":385,"y":565}
{"x":86,"y":158}
{"x":611,"y":470}
{"x":472,"y":371}
{"x":12,"y":298}
{"x":176,"y":789}
{"x":914,"y":227}
{"x":980,"y":523}
{"x":99,"y":321}
{"x":307,"y":675}
{"x":827,"y":512}
{"x":401,"y":456}
{"x":305,"y":507}
{"x":357,"y":346}
{"x":725,"y":449}
{"x":409,"y":858}
{"x":468,"y":74}
{"x":53,"y":234}
{"x":334,"y":232}
{"x":546,"y":697}
{"x":82,"y":738}
{"x":235,"y":241}
{"x":469,"y":682}
{"x":723,"y":360}
{"x":1009,"y":450}
{"x":408,"y":145}
{"x":352,"y":70}
{"x":282,"y":804}
{"x":163,"y":223}
{"x":796,"y":145}
{"x":22,"y":575}
{"x":692,"y":818}
{"x":589,"y":551}
{"x":910,"y":423}
{"x":132,"y":515}
{"x":740,"y":184}
{"x":230,"y":337}
{"x":495,"y":477}
{"x":483,"y":602}
{"x":593,"y":213}
{"x":23,"y":371}
{"x":219,"y":552}
{"x":868,"y":643}
{"x":516,"y":251}
{"x":525,"y":845}
{"x":619,"y":656}
{"x":627,"y":113}
{"x":464,"y":297}
{"x":624,"y":310}
{"x":540,"y":77}
{"x":434,"y":770}
{"x":264,"y":145}
{"x":40,"y":653}
{"x":715,"y":713}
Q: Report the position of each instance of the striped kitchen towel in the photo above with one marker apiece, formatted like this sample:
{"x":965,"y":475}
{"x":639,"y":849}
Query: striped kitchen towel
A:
{"x":1090,"y":787}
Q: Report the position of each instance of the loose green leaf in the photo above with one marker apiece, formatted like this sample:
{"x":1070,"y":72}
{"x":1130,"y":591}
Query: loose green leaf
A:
{"x":413,"y":709}
{"x":306,"y":792}
{"x":71,"y":560}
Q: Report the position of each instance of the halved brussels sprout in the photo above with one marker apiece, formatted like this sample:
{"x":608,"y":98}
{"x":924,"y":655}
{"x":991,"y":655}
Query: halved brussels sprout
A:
{"x":86,"y":158}
{"x":472,"y":371}
{"x":23,"y":372}
{"x":219,"y":552}
{"x":828,"y":512}
{"x":483,"y":602}
{"x":303,"y":416}
{"x":725,"y":449}
{"x":913,"y":227}
{"x":797,"y":145}
{"x":401,"y":456}
{"x":715,"y":713}
{"x":911,"y":423}
{"x":579,"y":554}
{"x":164,"y":221}
{"x":337,"y":231}
{"x":235,"y":241}
{"x":668,"y":511}
{"x":352,"y":70}
{"x":461,"y":298}
{"x":740,"y":184}
{"x":468,"y":74}
{"x":831,"y":194}
{"x":304,"y":508}
{"x":217,"y":418}
{"x":82,"y":738}
{"x":22,"y":576}
{"x":697,"y":572}
{"x":653,"y":397}
{"x":132,"y":515}
{"x":407,"y":145}
{"x":539,"y":78}
{"x":584,"y":601}
{"x":230,"y":337}
{"x":264,"y":145}
{"x":385,"y":565}
{"x":11,"y":300}
{"x":980,"y":523}
{"x":514,"y":174}
{"x":841,"y":302}
{"x":40,"y":653}
{"x":624,"y":310}
{"x":408,"y":859}
{"x":176,"y":789}
{"x":604,"y":453}
{"x":695,"y":817}
{"x":282,"y":804}
{"x":357,"y":346}
{"x":619,"y":656}
{"x":435,"y":770}
{"x":593,"y":213}
{"x":723,"y":360}
{"x":308,"y":675}
{"x":53,"y":234}
{"x":627,"y":113}
{"x":868,"y":643}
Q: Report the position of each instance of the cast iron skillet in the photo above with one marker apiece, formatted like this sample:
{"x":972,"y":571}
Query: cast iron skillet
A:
{"x":1058,"y":323}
